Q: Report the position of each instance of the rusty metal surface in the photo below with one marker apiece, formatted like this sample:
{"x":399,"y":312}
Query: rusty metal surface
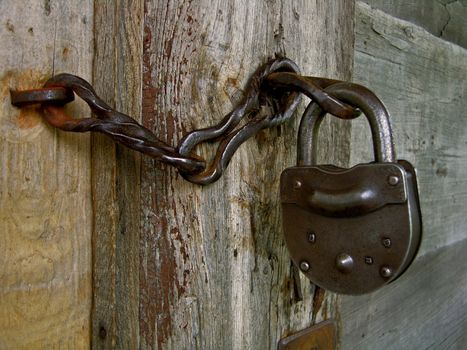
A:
{"x":52,"y":95}
{"x":262,"y":111}
{"x":120,"y":127}
{"x":340,"y":192}
{"x":351,"y":230}
{"x":318,"y":337}
{"x":364,"y":223}
{"x":271,"y":97}
{"x":359,"y":97}
{"x":349,"y":253}
{"x":313,"y":87}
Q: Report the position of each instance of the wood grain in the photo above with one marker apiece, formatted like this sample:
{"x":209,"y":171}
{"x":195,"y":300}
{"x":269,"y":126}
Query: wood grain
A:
{"x":421,"y":79}
{"x":423,"y":309}
{"x":118,"y":35}
{"x":215,"y":273}
{"x":443,"y":18}
{"x":45,"y":202}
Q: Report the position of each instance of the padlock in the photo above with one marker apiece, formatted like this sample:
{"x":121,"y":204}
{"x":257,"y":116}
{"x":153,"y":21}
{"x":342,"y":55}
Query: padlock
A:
{"x":353,"y":230}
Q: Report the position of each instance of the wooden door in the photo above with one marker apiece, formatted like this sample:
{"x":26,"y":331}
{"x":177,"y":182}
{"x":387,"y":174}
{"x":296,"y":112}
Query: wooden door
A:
{"x":105,"y":248}
{"x":174,"y":265}
{"x":204,"y":267}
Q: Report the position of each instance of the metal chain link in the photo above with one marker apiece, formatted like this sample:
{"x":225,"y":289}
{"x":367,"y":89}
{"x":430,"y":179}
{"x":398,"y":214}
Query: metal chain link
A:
{"x":271,"y":98}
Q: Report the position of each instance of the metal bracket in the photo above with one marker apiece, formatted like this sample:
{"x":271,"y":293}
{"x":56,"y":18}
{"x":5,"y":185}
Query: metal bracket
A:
{"x":318,"y":337}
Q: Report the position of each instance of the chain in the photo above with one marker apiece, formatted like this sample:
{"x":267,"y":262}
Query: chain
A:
{"x":271,"y":97}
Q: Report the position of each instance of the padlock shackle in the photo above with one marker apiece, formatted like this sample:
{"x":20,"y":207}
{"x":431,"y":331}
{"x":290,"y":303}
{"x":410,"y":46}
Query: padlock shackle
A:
{"x":357,"y":96}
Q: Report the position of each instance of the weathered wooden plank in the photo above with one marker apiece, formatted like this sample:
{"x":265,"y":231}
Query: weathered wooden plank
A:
{"x":422,"y":81}
{"x":443,"y":18}
{"x":215,"y":272}
{"x":424,"y":309}
{"x":115,"y":178}
{"x":45,"y":202}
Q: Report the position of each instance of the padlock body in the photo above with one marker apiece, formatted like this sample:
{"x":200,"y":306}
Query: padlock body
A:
{"x":351,"y":230}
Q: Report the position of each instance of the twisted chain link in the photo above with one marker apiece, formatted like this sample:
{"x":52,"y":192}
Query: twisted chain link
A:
{"x":271,"y":97}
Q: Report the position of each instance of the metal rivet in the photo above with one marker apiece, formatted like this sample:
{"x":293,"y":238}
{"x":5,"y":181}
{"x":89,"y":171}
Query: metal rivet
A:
{"x":297,"y":184}
{"x":304,"y":266}
{"x":344,"y":263}
{"x":368,"y":260}
{"x":393,"y":180}
{"x":386,"y":271}
{"x":386,"y":242}
{"x":311,"y":237}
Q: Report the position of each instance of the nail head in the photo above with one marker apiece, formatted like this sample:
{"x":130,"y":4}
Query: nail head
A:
{"x":386,"y":272}
{"x":344,"y":263}
{"x":393,"y":180}
{"x":311,"y":237}
{"x":386,"y":242}
{"x":304,"y":266}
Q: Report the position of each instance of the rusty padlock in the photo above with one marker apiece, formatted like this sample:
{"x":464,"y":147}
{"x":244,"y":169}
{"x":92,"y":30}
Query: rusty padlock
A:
{"x":353,"y":230}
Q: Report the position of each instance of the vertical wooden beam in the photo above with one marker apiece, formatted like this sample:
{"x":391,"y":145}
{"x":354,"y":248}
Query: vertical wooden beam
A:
{"x":115,"y":178}
{"x":421,"y":79}
{"x":215,"y":273}
{"x":45,"y":201}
